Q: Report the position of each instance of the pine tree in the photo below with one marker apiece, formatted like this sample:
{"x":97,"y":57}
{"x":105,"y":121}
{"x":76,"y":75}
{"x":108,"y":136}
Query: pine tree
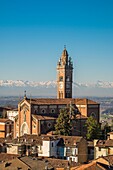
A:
{"x":63,"y":124}
{"x":93,"y":128}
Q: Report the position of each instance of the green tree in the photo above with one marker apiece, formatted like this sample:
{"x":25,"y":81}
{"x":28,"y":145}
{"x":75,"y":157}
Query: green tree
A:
{"x":63,"y":124}
{"x":93,"y":128}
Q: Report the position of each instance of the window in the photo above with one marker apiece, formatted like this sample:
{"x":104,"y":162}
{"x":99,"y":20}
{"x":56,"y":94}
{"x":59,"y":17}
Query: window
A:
{"x":61,"y":78}
{"x":68,"y":151}
{"x":73,"y":159}
{"x":93,"y":114}
{"x":52,"y":110}
{"x":43,"y":111}
{"x":49,"y":124}
{"x":24,"y":116}
{"x":99,"y":149}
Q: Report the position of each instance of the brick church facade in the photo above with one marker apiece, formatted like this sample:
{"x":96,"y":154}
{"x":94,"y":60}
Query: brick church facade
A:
{"x":38,"y":116}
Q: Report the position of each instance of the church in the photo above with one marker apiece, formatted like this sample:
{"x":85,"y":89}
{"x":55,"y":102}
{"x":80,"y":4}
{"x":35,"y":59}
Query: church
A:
{"x":38,"y":116}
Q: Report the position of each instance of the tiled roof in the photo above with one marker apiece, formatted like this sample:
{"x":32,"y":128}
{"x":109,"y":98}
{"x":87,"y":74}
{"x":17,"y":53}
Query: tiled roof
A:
{"x":101,"y":163}
{"x":40,"y":164}
{"x":79,"y":116}
{"x":6,"y":157}
{"x":42,"y":101}
{"x":84,"y":101}
{"x":14,"y":164}
{"x":40,"y":117}
{"x":105,"y":143}
{"x":69,"y":140}
{"x":4,"y":120}
{"x":77,"y":101}
{"x":109,"y":159}
{"x":32,"y":139}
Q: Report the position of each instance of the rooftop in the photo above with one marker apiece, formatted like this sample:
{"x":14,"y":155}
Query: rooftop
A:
{"x":52,"y":101}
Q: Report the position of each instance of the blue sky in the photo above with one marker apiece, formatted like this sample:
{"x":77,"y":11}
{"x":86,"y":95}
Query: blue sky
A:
{"x":33,"y":34}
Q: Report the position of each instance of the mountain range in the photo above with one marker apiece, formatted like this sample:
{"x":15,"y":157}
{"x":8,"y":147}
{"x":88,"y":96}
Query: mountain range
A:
{"x":49,"y":88}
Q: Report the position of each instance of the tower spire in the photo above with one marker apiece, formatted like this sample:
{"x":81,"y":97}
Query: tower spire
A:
{"x":64,"y":47}
{"x":64,"y":76}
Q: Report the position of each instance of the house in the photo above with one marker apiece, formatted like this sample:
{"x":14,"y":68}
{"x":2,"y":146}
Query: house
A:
{"x":104,"y":147}
{"x":73,"y":148}
{"x":6,"y":128}
{"x":43,"y":146}
{"x":3,"y":111}
{"x":12,"y":113}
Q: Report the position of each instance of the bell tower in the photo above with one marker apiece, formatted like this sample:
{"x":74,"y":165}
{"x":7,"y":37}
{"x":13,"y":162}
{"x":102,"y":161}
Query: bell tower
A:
{"x":64,"y":76}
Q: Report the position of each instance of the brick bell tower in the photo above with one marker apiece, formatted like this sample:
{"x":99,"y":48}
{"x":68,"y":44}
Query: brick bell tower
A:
{"x":64,"y":76}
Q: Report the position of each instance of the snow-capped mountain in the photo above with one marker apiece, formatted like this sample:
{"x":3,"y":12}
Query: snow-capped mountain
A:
{"x":47,"y":84}
{"x":21,"y":83}
{"x":49,"y":88}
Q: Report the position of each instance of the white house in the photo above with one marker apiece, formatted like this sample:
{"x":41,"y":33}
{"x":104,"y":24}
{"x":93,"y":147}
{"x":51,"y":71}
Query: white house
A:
{"x":103,"y":147}
{"x":12,"y":113}
{"x":48,"y":147}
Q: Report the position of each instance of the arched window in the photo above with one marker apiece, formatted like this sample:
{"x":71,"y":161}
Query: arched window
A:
{"x":61,"y":78}
{"x":24,"y":116}
{"x":43,"y":111}
{"x":49,"y":124}
{"x":93,"y":114}
{"x":52,"y":110}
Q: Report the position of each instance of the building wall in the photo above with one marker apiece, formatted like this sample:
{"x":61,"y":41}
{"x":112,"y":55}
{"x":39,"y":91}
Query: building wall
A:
{"x":16,"y":128}
{"x":82,"y":109}
{"x":79,"y":128}
{"x":6,"y":129}
{"x":24,"y":118}
{"x":34,"y":127}
{"x":100,"y":152}
{"x":93,"y":110}
{"x":47,"y":126}
{"x":45,"y":149}
{"x":2,"y":134}
{"x":11,"y":114}
{"x":82,"y":151}
{"x":53,"y":146}
{"x":12,"y":149}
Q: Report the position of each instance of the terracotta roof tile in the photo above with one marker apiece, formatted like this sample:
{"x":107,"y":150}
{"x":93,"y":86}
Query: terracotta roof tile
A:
{"x":14,"y":164}
{"x":69,"y":140}
{"x":42,"y":101}
{"x":84,"y":101}
{"x":104,"y":143}
{"x":6,"y":157}
{"x":4,"y":120}
{"x":40,"y":117}
{"x":79,"y":116}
